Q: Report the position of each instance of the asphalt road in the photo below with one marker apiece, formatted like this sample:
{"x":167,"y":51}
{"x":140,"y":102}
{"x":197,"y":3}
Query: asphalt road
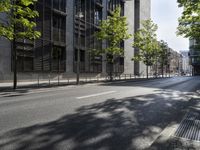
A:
{"x":115,"y":116}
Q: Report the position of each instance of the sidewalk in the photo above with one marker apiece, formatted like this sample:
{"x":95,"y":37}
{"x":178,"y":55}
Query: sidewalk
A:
{"x":182,"y":136}
{"x":69,"y":81}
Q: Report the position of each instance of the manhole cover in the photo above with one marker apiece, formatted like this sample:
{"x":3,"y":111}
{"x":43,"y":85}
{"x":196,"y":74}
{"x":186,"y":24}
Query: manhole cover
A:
{"x":189,"y":127}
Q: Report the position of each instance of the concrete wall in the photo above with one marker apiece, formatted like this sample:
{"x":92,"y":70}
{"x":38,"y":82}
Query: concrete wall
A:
{"x":129,"y":51}
{"x":5,"y":59}
{"x":145,"y":13}
{"x":104,"y":42}
{"x":5,"y":56}
{"x":70,"y":37}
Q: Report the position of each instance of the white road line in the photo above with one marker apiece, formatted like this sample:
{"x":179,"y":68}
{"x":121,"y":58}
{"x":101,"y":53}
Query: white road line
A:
{"x":98,"y":94}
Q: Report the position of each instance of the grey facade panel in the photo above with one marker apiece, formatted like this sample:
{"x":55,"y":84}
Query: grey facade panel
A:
{"x":5,"y":59}
{"x":70,"y":37}
{"x":129,"y":51}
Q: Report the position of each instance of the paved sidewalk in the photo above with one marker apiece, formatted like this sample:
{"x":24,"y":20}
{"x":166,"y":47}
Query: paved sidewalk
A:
{"x":69,"y":81}
{"x":190,"y":133}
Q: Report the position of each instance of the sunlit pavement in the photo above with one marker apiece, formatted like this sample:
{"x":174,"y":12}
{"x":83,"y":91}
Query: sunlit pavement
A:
{"x":118,"y":116}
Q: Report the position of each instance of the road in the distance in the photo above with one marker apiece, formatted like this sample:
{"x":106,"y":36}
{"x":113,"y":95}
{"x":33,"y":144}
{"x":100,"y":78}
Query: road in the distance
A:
{"x":118,"y":116}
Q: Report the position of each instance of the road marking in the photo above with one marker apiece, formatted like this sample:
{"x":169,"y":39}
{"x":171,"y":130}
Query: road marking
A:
{"x":98,"y":94}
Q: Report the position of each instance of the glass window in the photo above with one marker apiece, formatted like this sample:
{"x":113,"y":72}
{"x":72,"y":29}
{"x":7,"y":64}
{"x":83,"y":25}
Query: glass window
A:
{"x":56,"y":4}
{"x":58,"y":58}
{"x":60,"y":5}
{"x":97,"y":16}
{"x":59,"y":27}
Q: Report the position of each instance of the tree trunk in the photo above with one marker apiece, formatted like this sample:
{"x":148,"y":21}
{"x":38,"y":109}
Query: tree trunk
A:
{"x":162,"y":70}
{"x":156,"y":68}
{"x":111,"y":71}
{"x":14,"y":65}
{"x":147,"y":72}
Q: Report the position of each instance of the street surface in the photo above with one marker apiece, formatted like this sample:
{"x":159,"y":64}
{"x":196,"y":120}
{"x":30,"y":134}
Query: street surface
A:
{"x":114,"y":116}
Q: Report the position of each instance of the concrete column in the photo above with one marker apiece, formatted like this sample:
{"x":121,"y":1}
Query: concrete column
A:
{"x":145,"y":13}
{"x":70,"y":37}
{"x":129,"y":51}
{"x":104,"y":11}
{"x":5,"y":57}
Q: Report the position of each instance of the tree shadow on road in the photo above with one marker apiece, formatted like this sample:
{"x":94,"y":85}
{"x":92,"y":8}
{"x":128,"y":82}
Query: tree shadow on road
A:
{"x":115,"y":124}
{"x":183,"y":84}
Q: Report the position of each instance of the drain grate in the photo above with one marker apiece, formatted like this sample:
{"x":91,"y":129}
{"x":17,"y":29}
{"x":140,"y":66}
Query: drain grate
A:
{"x":189,"y":127}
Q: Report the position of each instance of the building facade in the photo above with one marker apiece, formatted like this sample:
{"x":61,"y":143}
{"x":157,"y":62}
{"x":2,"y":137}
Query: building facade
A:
{"x":176,"y":62}
{"x":194,"y":55}
{"x":173,"y":64}
{"x":187,"y":69}
{"x":64,"y":32}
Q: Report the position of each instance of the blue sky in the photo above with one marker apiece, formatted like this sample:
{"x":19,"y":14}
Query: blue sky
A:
{"x":165,"y":14}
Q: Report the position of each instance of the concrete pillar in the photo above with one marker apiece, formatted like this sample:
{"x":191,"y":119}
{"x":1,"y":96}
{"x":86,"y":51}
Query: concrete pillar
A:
{"x":70,"y":37}
{"x":128,"y":49}
{"x":145,"y":13}
{"x":104,"y":11}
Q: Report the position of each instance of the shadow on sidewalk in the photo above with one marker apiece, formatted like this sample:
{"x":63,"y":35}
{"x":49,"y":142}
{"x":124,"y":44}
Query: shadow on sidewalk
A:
{"x":115,"y":124}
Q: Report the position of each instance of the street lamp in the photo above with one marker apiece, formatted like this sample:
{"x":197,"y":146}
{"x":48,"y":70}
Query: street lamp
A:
{"x":79,"y":15}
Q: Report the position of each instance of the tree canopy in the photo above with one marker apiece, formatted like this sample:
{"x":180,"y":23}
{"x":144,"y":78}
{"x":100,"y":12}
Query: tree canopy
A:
{"x":145,"y":40}
{"x":114,"y":30}
{"x":18,"y":19}
{"x":189,"y":22}
{"x":17,"y":22}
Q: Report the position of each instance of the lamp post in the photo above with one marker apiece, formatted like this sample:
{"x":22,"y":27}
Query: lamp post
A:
{"x":80,"y":15}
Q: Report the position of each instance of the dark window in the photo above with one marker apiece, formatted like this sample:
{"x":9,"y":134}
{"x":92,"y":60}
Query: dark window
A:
{"x":24,"y":55}
{"x":97,"y":16}
{"x":82,"y":55}
{"x":56,"y":4}
{"x":59,"y":5}
{"x":80,"y":6}
{"x":48,"y":3}
{"x":58,"y":58}
{"x":59,"y":29}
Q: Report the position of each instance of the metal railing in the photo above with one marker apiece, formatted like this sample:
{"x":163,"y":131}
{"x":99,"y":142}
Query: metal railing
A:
{"x":55,"y":79}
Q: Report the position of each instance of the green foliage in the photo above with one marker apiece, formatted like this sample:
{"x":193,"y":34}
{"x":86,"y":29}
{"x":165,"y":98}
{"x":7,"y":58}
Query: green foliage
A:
{"x":114,"y":30}
{"x":146,"y":41}
{"x":189,"y":22}
{"x":163,"y":53}
{"x":19,"y":19}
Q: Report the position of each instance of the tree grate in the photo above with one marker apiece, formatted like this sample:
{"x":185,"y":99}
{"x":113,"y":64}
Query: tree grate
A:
{"x":189,"y":128}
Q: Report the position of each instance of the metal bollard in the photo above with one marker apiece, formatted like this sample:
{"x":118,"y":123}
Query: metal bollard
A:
{"x":58,"y":80}
{"x":49,"y":80}
{"x":38,"y":80}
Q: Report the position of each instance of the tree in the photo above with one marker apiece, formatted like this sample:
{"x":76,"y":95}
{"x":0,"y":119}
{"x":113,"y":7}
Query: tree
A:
{"x":114,"y":30}
{"x":18,"y":24}
{"x":163,"y":55}
{"x":146,"y":41}
{"x":189,"y":22}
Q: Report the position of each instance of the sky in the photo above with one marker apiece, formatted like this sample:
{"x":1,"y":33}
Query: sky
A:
{"x":165,"y":14}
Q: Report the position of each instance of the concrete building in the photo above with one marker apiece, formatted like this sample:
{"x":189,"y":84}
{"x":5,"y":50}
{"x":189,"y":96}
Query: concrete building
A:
{"x":194,"y":55}
{"x":175,"y":63}
{"x":64,"y":33}
{"x":187,"y":68}
{"x":172,"y":65}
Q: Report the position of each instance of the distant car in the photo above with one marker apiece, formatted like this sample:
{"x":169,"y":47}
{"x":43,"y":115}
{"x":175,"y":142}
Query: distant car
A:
{"x":183,"y":73}
{"x":176,"y":74}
